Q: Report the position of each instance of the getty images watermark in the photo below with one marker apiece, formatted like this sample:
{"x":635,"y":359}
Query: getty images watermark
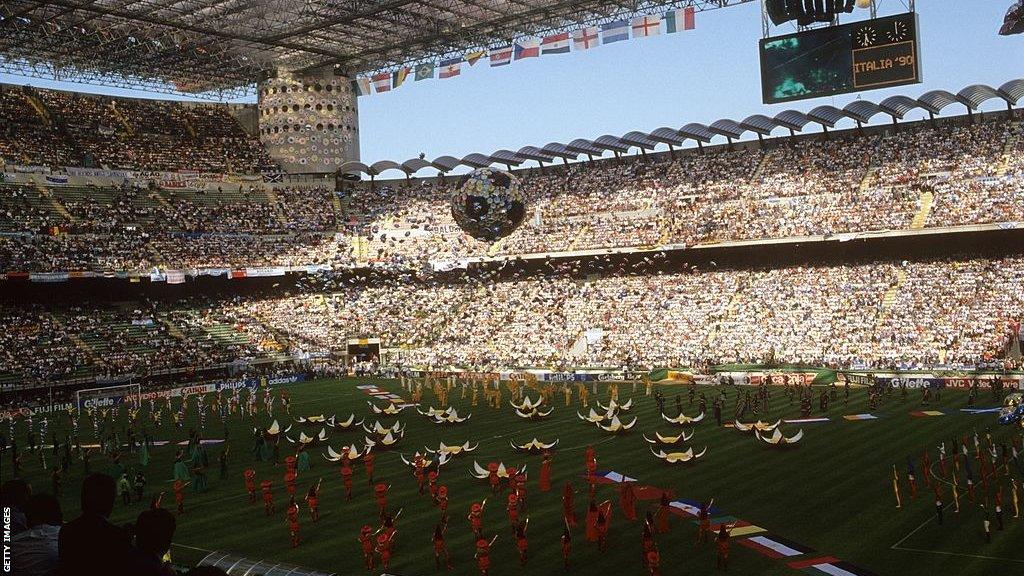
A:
{"x":7,"y":540}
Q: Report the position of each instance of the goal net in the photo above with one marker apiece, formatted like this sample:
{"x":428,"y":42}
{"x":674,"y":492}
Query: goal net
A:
{"x":108,"y":396}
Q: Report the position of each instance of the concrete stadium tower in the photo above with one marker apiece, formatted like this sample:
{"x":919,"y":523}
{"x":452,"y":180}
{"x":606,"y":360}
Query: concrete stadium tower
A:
{"x":309,"y":123}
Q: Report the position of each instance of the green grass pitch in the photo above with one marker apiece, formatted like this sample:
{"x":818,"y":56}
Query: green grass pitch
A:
{"x":832,"y":493}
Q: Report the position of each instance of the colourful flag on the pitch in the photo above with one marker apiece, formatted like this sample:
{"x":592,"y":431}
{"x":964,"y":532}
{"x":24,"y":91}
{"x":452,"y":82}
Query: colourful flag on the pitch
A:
{"x":382,"y":82}
{"x":644,"y":26}
{"x":679,"y":20}
{"x":472,"y":57}
{"x":398,"y":76}
{"x":450,"y":68}
{"x":555,"y":44}
{"x":616,"y":31}
{"x":585,"y":39}
{"x":424,"y":70}
{"x":527,"y":48}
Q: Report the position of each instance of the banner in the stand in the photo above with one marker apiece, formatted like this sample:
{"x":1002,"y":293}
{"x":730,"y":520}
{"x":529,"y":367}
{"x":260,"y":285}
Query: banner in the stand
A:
{"x":49,"y":276}
{"x":265,"y":271}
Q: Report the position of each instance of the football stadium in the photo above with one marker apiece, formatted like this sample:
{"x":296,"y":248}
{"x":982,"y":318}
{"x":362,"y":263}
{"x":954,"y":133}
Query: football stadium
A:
{"x":501,"y":287}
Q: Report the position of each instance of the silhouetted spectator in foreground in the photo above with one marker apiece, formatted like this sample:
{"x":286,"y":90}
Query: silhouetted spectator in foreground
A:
{"x":90,"y":544}
{"x":34,"y":551}
{"x":154,"y":529}
{"x":14,"y":495}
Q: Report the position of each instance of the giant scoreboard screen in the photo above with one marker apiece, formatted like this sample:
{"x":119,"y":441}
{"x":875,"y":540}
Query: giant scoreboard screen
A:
{"x":878,"y":53}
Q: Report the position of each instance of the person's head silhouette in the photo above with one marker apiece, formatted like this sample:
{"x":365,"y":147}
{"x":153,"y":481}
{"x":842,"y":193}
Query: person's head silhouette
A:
{"x":43,"y":509}
{"x":98,"y":494}
{"x":154,"y":529}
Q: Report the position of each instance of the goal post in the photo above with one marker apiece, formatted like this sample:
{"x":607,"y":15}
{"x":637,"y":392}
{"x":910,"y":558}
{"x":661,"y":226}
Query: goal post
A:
{"x":108,"y":396}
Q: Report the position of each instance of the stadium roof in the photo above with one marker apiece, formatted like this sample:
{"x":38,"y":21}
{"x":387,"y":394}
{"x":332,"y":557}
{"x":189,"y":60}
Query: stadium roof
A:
{"x":860,"y":111}
{"x":226,"y":46}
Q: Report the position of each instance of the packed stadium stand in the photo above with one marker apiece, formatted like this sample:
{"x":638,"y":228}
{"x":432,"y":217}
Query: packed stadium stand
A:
{"x":58,"y":128}
{"x":921,"y":176}
{"x":881,"y":312}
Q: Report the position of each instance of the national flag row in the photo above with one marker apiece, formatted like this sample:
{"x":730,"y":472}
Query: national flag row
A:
{"x":561,"y":43}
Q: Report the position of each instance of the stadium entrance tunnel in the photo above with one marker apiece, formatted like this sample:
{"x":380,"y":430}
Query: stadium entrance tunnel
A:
{"x":238,"y":566}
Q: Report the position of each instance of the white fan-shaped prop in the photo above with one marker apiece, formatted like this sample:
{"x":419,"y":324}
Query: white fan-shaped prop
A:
{"x":275,"y":428}
{"x":677,"y":457}
{"x":347,"y":424}
{"x":391,"y":409}
{"x":533,"y":446}
{"x":616,"y":426}
{"x":777,"y":439}
{"x":683,"y":419}
{"x":533,"y":413}
{"x":614,"y":406}
{"x":322,"y":436}
{"x":351,"y":451}
{"x":431,"y":412}
{"x":381,"y":430}
{"x":668,"y":440}
{"x":756,"y":426}
{"x":311,"y":419}
{"x":482,"y":473}
{"x":417,"y":456}
{"x":450,"y":417}
{"x":527,"y":405}
{"x":386,"y":441}
{"x":593,"y":417}
{"x":455,"y":450}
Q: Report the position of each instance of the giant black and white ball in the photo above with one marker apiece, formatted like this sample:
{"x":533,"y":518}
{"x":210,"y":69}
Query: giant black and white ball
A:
{"x":489,"y":204}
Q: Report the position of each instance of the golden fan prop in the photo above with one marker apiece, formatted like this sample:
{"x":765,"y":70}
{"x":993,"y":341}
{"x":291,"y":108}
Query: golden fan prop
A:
{"x":533,"y":446}
{"x":679,"y":457}
{"x":351,"y":451}
{"x":757,"y":427}
{"x":668,"y":440}
{"x":778,"y":439}
{"x":683,"y":419}
{"x":391,"y":409}
{"x":499,"y":467}
{"x":616,"y":426}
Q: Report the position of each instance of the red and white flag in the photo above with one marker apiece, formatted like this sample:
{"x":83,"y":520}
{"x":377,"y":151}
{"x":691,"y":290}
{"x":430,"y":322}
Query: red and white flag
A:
{"x":586,"y":38}
{"x":555,"y":44}
{"x":646,"y":26}
{"x":450,"y":68}
{"x":382,"y":82}
{"x":501,"y":56}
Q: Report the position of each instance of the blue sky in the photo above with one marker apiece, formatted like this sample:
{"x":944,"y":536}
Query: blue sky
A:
{"x":697,"y":76}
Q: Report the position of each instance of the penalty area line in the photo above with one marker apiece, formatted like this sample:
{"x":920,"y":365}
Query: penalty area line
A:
{"x":899,"y":546}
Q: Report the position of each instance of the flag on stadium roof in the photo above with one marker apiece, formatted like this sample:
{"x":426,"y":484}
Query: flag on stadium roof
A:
{"x":527,"y":48}
{"x":450,"y":68}
{"x":679,"y":20}
{"x":616,"y":31}
{"x":399,"y":76}
{"x":501,"y":56}
{"x":424,"y":70}
{"x":644,"y":26}
{"x":585,"y":39}
{"x":361,"y":85}
{"x":472,"y":57}
{"x":555,"y":44}
{"x":382,"y":82}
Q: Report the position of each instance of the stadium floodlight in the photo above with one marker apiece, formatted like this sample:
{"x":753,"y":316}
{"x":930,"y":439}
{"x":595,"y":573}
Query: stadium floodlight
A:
{"x":806,"y":12}
{"x":1013,"y":23}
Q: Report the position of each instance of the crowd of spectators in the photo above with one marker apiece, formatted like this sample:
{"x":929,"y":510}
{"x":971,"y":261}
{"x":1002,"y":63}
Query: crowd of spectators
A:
{"x":807,"y":187}
{"x":906,"y":315}
{"x":55,"y":128}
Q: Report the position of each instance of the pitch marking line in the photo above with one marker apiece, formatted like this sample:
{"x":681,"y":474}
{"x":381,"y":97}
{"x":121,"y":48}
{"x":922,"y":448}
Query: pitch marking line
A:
{"x":897,"y":546}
